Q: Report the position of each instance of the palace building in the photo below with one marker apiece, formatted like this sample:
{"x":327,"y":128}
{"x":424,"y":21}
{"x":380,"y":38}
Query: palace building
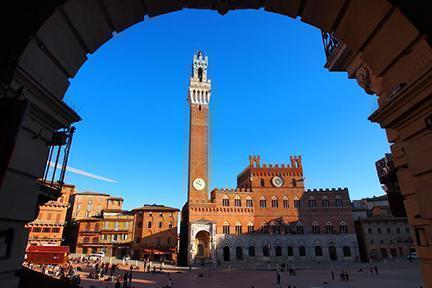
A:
{"x":269,"y":216}
{"x":48,"y":227}
{"x":155,"y":232}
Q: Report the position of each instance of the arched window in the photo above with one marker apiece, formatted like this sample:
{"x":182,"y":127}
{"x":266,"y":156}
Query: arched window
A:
{"x":264,"y":228}
{"x":266,"y":251}
{"x":237,"y":201}
{"x":275,"y":203}
{"x":312,"y":202}
{"x":251,"y":251}
{"x":325,"y":202}
{"x":262,"y":183}
{"x":338,"y":201}
{"x":225,"y":201}
{"x":300,"y":229}
{"x":285,"y":202}
{"x":238,"y":228}
{"x":87,"y":226}
{"x":95,"y":240}
{"x":226,"y":228}
{"x":297,"y":202}
{"x":318,"y":251}
{"x":290,"y":251}
{"x":249,"y":202}
{"x":329,"y":228}
{"x":302,"y":251}
{"x":200,"y":74}
{"x":86,"y":240}
{"x":343,"y":228}
{"x":250,"y":227}
{"x":96,"y":227}
{"x":278,"y":251}
{"x":346,"y":251}
{"x":315,"y":228}
{"x":226,"y":254}
{"x":239,"y":253}
{"x":263,"y":202}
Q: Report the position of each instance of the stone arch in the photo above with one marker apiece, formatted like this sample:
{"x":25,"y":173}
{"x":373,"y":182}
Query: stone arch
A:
{"x":225,"y":242}
{"x":238,"y":242}
{"x":51,"y":48}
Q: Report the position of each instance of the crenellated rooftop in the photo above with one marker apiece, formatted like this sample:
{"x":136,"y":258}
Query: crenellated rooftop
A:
{"x":345,"y":189}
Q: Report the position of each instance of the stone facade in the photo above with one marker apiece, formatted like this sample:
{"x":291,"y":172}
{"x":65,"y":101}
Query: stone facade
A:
{"x":270,"y":214}
{"x":48,"y":227}
{"x":89,"y":204}
{"x":111,"y":232}
{"x":155,"y":232}
{"x":380,"y":234}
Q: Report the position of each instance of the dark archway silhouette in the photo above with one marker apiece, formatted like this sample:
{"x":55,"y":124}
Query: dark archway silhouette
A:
{"x":47,"y":42}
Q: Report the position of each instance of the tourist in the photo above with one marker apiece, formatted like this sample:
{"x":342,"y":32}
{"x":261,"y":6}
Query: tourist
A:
{"x":332,"y":274}
{"x":117,"y":284}
{"x":376,"y":269}
{"x":346,"y":276}
{"x":130,"y":278}
{"x":277,"y":278}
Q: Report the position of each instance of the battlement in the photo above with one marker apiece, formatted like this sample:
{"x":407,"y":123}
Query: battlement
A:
{"x":255,"y":162}
{"x":232,"y":190}
{"x":328,"y":190}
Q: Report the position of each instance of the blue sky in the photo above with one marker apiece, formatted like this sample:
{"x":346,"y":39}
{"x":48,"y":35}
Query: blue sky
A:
{"x":271,"y":97}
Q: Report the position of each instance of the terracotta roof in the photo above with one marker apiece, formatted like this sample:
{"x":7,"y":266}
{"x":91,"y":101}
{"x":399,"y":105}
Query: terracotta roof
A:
{"x":116,"y":210}
{"x":154,"y":207}
{"x":379,"y":198}
{"x":89,"y":219}
{"x":48,"y":249}
{"x":116,"y":198}
{"x":91,"y":193}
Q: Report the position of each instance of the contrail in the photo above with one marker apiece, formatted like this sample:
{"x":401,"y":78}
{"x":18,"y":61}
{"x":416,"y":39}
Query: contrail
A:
{"x":84,"y":173}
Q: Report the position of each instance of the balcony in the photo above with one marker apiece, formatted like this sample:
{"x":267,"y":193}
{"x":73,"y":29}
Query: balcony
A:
{"x":52,"y":182}
{"x":337,"y":53}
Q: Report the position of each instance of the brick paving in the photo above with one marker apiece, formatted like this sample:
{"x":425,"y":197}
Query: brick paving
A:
{"x":391,"y":275}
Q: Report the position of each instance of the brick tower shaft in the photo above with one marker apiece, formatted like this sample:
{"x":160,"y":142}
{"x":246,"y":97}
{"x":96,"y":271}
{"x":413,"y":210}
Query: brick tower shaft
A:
{"x":198,"y":98}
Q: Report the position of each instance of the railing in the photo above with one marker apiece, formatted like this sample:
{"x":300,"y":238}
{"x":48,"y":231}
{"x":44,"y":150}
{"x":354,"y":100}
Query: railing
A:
{"x":330,"y":43}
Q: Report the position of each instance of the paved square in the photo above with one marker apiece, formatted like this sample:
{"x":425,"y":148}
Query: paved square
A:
{"x":391,"y":275}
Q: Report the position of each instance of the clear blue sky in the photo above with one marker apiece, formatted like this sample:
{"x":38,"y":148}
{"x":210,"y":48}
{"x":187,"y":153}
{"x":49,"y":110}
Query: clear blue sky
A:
{"x":271,"y":96}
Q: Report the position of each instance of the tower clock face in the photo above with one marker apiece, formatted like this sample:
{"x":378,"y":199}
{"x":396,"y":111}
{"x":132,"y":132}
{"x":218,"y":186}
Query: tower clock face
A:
{"x":277,"y":181}
{"x":199,"y":184}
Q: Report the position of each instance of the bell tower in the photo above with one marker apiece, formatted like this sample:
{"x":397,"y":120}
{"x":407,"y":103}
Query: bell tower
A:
{"x":198,"y":98}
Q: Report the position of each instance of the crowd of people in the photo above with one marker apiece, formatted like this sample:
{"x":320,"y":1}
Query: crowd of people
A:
{"x":65,"y":272}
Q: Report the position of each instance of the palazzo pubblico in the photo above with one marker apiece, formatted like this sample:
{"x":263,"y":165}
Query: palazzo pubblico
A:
{"x":269,"y":216}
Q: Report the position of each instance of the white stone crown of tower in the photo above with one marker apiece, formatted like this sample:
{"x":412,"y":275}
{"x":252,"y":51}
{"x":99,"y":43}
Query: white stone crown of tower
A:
{"x":199,"y":85}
